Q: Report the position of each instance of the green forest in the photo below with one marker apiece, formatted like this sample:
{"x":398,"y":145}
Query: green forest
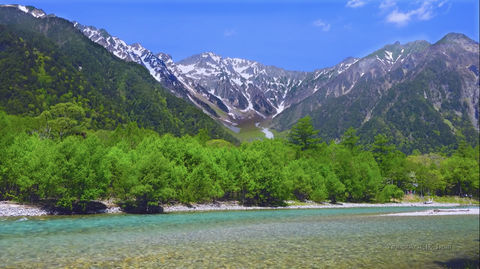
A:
{"x":78,"y":124}
{"x":47,"y":62}
{"x":48,"y":158}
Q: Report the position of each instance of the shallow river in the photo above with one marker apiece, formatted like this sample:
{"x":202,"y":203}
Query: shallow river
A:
{"x":311,"y":238}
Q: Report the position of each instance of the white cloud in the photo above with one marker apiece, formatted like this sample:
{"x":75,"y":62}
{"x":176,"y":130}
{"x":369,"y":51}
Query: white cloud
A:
{"x":319,"y":23}
{"x":355,"y":3}
{"x":424,"y":12}
{"x":399,"y":18}
{"x":387,"y":4}
{"x":229,"y":32}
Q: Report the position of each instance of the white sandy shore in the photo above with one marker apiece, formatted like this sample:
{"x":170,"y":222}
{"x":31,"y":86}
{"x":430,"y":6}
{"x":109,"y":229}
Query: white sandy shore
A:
{"x":9,"y":209}
{"x":439,"y":212}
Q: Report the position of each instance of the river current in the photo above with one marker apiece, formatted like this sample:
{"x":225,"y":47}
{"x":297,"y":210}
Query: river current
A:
{"x":310,"y":238}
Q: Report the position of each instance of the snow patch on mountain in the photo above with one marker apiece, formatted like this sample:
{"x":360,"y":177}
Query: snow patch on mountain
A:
{"x":23,"y":8}
{"x":243,"y":82}
{"x":389,"y":56}
{"x":37,"y":13}
{"x":237,"y":86}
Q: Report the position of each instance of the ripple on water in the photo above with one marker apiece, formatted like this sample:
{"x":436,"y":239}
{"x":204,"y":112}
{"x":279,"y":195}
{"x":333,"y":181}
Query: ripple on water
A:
{"x":284,"y":239}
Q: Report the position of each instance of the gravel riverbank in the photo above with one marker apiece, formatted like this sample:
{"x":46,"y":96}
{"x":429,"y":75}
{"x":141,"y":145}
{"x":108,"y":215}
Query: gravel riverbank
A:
{"x":9,"y":209}
{"x":236,"y":206}
{"x":439,"y":212}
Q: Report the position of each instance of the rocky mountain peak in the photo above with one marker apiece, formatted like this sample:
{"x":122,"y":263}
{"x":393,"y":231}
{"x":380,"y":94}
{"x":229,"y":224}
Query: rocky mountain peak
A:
{"x":457,"y":38}
{"x":418,"y":43}
{"x":138,"y":47}
{"x":166,"y":58}
{"x":206,"y":59}
{"x":461,"y":40}
{"x":212,"y":56}
{"x":104,"y":33}
{"x":349,"y":60}
{"x":37,"y":13}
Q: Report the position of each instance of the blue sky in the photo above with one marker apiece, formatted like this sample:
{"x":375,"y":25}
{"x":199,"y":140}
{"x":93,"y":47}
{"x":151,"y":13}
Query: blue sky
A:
{"x":294,"y":35}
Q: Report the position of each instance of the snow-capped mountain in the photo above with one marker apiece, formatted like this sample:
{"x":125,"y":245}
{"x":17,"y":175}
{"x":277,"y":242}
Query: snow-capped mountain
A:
{"x":244,"y":85}
{"x":235,"y":86}
{"x":341,"y":79}
{"x":240,"y":87}
{"x":132,"y":53}
{"x":442,"y":80}
{"x":160,"y":66}
{"x":231,"y":88}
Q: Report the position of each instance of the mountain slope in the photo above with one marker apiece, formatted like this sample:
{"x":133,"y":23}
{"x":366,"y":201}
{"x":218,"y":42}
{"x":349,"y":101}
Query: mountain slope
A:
{"x":45,"y":60}
{"x":160,"y":66}
{"x":247,"y":85}
{"x":344,"y":95}
{"x":230,"y":89}
{"x":425,"y":96}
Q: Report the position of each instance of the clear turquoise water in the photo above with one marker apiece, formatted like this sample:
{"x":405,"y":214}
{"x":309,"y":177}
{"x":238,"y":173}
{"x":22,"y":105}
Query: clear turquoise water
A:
{"x":313,"y":238}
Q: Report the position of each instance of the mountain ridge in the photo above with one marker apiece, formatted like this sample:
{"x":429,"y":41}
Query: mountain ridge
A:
{"x":441,"y":79}
{"x":237,"y":94}
{"x":234,"y":89}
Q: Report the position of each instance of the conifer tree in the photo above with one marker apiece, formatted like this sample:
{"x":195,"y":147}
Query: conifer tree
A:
{"x":303,"y":135}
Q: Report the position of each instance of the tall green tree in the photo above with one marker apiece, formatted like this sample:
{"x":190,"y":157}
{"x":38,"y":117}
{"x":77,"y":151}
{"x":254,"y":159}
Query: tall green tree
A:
{"x":303,"y":134}
{"x":369,"y":180}
{"x":462,"y":170}
{"x":202,"y":136}
{"x":350,"y":141}
{"x":383,"y":152}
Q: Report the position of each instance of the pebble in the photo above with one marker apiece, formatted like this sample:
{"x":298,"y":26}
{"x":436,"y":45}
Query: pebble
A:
{"x":8,"y":209}
{"x":20,"y":211}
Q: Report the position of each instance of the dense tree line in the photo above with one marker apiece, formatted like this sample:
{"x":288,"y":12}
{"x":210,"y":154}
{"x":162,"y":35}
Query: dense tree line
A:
{"x":140,"y":168}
